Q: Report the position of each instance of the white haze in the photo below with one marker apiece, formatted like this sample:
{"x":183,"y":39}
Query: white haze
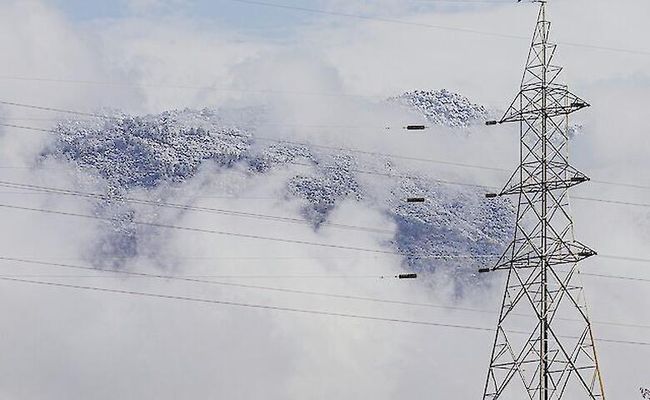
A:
{"x":69,"y":344}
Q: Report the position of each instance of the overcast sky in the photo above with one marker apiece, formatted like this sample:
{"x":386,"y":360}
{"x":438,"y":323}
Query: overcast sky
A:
{"x":247,"y":17}
{"x":68,"y":345}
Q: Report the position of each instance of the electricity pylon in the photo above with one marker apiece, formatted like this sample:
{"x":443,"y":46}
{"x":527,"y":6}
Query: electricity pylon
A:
{"x":544,"y":346}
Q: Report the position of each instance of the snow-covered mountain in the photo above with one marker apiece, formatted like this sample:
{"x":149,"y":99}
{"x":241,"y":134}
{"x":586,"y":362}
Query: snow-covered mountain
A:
{"x":442,"y":107}
{"x":132,"y":151}
{"x":147,"y":152}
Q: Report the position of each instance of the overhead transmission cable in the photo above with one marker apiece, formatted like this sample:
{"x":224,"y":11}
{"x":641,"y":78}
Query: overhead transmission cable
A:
{"x":280,"y":308}
{"x":440,"y":181}
{"x":60,"y":191}
{"x":189,"y":279}
{"x":183,"y":86}
{"x":270,"y":238}
{"x":75,"y":193}
{"x":431,"y":26}
{"x":347,"y":149}
{"x":199,"y":279}
{"x":404,"y":176}
{"x":202,"y":230}
{"x":261,"y":138}
{"x":358,"y":151}
{"x":386,"y":174}
{"x":184,"y":207}
{"x":356,"y":258}
{"x":226,"y":212}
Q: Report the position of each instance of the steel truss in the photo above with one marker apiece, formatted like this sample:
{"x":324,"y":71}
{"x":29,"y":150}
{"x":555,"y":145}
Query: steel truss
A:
{"x":550,"y":354}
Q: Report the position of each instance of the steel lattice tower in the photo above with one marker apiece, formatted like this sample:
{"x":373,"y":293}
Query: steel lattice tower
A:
{"x":544,"y":346}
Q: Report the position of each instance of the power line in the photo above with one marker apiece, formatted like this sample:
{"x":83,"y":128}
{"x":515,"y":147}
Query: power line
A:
{"x":220,"y":276}
{"x":222,"y":283}
{"x":399,"y":302}
{"x":358,"y":257}
{"x":201,"y":230}
{"x":225,"y":197}
{"x":235,"y":213}
{"x":337,"y":148}
{"x":193,"y":208}
{"x":182,"y":86}
{"x":238,"y":304}
{"x":627,"y":278}
{"x":361,"y":171}
{"x":115,"y":117}
{"x":320,"y":146}
{"x":208,"y":231}
{"x":626,"y":258}
{"x":392,"y":175}
{"x":352,"y":257}
{"x":52,"y":109}
{"x":186,"y":257}
{"x":270,"y":238}
{"x":630,"y":185}
{"x":231,"y":284}
{"x":231,"y":213}
{"x":242,"y":126}
{"x":279,"y":308}
{"x":430,"y":26}
{"x":261,"y":138}
{"x":357,"y":151}
{"x":380,"y":19}
{"x":188,"y":208}
{"x":335,"y":225}
{"x":376,"y":173}
{"x":198,"y":279}
{"x":623,"y":203}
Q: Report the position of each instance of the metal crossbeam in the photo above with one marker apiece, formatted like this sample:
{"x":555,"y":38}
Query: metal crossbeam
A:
{"x":557,"y":359}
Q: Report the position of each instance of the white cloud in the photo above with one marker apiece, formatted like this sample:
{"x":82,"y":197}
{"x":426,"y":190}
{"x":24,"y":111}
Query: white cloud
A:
{"x":76,"y":345}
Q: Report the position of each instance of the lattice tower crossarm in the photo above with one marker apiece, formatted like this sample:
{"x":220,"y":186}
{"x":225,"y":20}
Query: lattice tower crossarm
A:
{"x":550,"y":354}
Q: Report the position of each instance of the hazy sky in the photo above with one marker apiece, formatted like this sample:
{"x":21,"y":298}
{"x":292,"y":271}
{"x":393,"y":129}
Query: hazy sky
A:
{"x":258,"y":19}
{"x":244,"y":17}
{"x":64,"y":344}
